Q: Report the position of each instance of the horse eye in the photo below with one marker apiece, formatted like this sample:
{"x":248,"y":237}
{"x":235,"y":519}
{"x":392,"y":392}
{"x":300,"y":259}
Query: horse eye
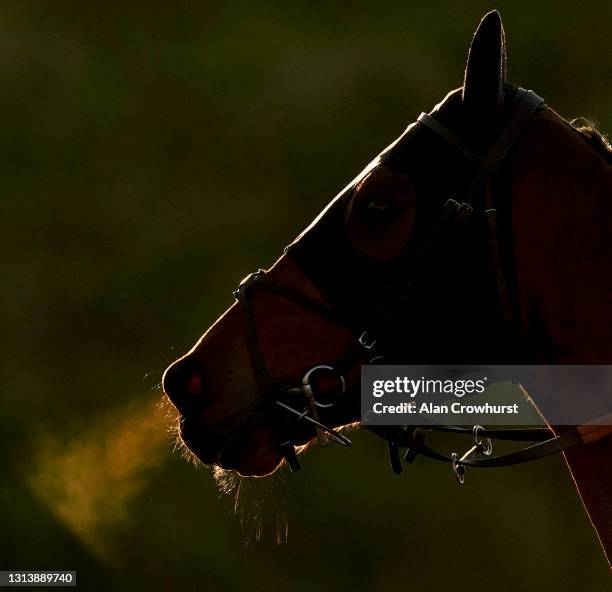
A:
{"x":378,"y":209}
{"x":377,"y":204}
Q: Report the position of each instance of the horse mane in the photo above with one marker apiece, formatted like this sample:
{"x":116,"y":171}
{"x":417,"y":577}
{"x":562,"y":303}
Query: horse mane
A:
{"x":596,"y":138}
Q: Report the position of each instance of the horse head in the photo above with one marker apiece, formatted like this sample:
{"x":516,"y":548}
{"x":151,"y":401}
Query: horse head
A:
{"x":391,"y":270}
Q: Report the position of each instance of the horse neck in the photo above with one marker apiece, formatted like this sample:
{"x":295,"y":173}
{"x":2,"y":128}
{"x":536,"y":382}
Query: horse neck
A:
{"x":561,"y":214}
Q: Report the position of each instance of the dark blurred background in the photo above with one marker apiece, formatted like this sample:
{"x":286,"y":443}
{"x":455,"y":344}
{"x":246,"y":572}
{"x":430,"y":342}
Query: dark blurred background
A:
{"x":154,"y":154}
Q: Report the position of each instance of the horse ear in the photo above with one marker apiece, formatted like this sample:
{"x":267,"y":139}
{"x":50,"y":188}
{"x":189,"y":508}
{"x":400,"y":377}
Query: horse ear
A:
{"x":486,"y":67}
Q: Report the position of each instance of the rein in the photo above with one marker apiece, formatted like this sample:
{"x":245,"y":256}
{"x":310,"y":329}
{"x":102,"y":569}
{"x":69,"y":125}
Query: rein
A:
{"x":279,"y":400}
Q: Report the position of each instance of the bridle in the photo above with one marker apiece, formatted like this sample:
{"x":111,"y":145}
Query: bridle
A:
{"x":279,"y":400}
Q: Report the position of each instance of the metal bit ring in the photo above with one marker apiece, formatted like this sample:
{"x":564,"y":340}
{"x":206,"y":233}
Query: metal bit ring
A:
{"x":307,"y":387}
{"x":479,"y":441}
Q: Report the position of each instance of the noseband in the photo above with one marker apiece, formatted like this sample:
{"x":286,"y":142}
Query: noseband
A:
{"x":279,"y":396}
{"x":289,"y":404}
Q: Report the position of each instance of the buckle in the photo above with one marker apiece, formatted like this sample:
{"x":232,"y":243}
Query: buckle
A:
{"x":366,"y":341}
{"x":462,"y":210}
{"x":451,"y":204}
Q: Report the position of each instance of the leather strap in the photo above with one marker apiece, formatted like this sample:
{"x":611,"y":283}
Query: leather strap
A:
{"x":511,"y":434}
{"x":526,"y":104}
{"x":454,"y":140}
{"x":540,"y":450}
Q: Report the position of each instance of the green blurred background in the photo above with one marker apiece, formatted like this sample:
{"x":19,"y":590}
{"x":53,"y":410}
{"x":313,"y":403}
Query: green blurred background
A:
{"x":152,"y":155}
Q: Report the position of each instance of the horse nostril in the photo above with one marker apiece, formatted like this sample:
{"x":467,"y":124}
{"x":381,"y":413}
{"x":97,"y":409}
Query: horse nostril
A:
{"x":182,"y":381}
{"x":194,"y":384}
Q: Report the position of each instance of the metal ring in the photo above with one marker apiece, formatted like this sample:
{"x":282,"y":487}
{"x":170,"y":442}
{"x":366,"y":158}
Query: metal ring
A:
{"x":366,"y":343}
{"x":458,"y":469}
{"x":478,"y":441}
{"x":308,"y":387}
